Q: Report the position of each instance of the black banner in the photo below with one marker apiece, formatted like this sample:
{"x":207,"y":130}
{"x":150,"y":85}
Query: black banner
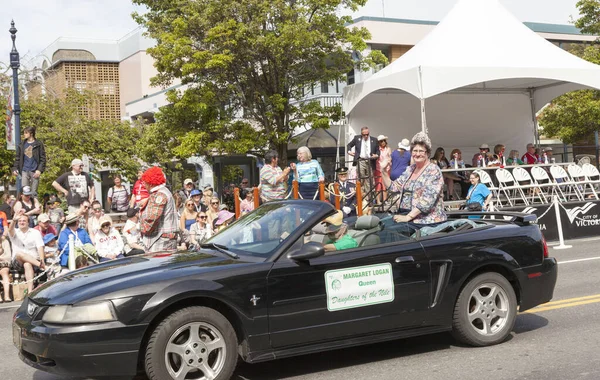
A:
{"x":579,"y":219}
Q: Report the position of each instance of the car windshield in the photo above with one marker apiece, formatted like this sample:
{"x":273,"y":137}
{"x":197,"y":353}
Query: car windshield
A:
{"x":261,"y":232}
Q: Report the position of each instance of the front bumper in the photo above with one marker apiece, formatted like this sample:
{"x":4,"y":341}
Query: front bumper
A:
{"x":101,"y":349}
{"x":537,"y":284}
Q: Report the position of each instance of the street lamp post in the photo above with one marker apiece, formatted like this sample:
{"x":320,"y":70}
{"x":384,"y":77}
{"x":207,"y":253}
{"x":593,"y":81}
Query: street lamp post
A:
{"x":14,"y":64}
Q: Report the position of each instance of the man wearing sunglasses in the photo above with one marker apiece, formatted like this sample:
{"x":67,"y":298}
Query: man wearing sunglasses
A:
{"x":76,"y":185}
{"x":366,"y":153}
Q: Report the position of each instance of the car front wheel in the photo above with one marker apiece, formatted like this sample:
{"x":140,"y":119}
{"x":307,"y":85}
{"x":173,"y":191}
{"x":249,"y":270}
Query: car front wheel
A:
{"x":485,"y":310}
{"x":192,"y":343}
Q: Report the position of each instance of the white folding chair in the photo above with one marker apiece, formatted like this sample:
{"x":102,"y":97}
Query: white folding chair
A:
{"x":521,"y":175}
{"x":542,"y":179}
{"x":507,"y":183}
{"x":487,"y":180}
{"x":577,"y":175}
{"x":591,"y":172}
{"x":561,"y":178}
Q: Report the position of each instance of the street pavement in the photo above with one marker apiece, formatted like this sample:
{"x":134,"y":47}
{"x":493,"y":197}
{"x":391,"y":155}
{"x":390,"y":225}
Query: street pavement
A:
{"x":557,"y":342}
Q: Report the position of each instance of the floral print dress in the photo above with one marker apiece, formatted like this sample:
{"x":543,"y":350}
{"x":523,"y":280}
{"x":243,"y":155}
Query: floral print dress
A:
{"x":424,"y":193}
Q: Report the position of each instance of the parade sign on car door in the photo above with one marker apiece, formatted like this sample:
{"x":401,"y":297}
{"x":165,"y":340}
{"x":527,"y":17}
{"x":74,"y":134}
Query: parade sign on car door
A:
{"x":359,"y":286}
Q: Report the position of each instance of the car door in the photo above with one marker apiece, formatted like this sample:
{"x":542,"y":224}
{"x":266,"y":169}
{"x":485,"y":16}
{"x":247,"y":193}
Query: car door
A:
{"x":302,"y":312}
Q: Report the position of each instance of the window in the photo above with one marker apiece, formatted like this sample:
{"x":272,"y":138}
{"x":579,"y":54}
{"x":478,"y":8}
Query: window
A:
{"x":324,"y":88}
{"x":350,"y":77}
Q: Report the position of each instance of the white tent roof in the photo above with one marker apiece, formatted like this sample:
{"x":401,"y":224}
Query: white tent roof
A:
{"x":480,"y":68}
{"x":478,"y":41}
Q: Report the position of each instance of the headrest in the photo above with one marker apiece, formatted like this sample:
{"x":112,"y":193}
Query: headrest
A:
{"x":366,"y":222}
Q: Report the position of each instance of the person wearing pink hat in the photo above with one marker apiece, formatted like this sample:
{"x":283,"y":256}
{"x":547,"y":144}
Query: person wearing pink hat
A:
{"x":224,"y":217}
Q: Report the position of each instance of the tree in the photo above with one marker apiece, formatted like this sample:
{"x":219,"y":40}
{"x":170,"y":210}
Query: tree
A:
{"x":67,"y":135}
{"x":575,"y":116}
{"x":243,"y":63}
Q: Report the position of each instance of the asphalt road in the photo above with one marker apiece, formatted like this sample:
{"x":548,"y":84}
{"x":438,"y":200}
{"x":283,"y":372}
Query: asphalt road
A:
{"x":560,"y":341}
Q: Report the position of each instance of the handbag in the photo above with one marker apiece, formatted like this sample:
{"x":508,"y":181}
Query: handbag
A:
{"x":471,"y":206}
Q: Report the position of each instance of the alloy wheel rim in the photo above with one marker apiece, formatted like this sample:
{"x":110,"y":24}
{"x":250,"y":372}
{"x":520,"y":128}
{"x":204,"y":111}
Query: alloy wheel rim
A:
{"x":488,"y":309}
{"x":195,"y":351}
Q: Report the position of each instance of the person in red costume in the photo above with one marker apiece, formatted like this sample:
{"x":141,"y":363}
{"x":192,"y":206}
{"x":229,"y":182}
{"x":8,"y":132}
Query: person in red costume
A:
{"x":139,"y":194}
{"x":159,"y":224}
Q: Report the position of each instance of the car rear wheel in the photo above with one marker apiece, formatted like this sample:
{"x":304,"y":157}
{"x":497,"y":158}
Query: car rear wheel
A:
{"x":485,"y":310}
{"x":193,"y":343}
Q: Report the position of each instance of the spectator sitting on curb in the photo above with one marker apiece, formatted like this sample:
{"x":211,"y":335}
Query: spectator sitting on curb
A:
{"x":224,"y":218}
{"x":5,"y":264}
{"x":80,"y":235}
{"x":44,"y":226}
{"x":93,"y":222}
{"x":28,"y":247}
{"x":196,"y":196}
{"x":131,"y":233}
{"x":109,"y":243}
{"x":56,"y":213}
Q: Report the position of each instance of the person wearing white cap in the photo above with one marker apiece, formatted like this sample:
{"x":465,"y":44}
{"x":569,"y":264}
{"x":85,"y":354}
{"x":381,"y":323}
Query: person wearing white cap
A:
{"x":44,"y":226}
{"x":76,"y":185}
{"x":29,"y":204}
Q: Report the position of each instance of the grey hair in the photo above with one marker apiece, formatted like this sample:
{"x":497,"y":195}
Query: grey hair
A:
{"x":421,"y":138}
{"x":304,"y":149}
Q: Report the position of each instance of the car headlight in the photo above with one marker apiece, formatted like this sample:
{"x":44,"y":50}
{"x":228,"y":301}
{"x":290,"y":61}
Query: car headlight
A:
{"x":85,"y":313}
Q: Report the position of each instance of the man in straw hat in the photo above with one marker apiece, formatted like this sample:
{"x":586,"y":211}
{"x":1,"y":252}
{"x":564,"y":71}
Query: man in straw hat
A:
{"x":159,"y":224}
{"x":336,"y":230}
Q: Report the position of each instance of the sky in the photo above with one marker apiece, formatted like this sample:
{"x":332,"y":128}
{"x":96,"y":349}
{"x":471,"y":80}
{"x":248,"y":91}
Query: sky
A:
{"x":40,"y":22}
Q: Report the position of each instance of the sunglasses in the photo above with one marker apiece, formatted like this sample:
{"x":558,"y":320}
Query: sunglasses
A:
{"x":202,"y":217}
{"x":105,"y":226}
{"x":97,"y":209}
{"x":214,"y":203}
{"x":190,"y":204}
{"x":365,"y":135}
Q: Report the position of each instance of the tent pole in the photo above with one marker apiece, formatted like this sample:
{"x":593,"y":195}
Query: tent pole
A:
{"x":423,"y":115}
{"x":536,"y":133}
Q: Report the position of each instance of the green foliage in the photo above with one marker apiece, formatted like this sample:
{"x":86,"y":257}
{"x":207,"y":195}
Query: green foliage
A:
{"x":243,"y":63}
{"x":7,"y":157}
{"x":589,"y":22}
{"x":67,"y":135}
{"x":575,"y":116}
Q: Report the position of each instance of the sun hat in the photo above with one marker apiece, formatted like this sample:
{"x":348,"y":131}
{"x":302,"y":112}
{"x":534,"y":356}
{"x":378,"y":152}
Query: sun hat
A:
{"x":547,"y":148}
{"x":335,"y":219}
{"x":382,"y":137}
{"x":223,"y":216}
{"x":27,"y":190}
{"x":484,"y":146}
{"x":195,"y":192}
{"x":404,"y":144}
{"x":105,"y":219}
{"x":188,"y":180}
{"x":49,"y":237}
{"x":43,"y":218}
{"x":71,"y":218}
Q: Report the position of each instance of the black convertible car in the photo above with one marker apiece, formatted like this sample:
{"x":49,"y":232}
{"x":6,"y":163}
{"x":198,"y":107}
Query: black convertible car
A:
{"x":264,"y":289}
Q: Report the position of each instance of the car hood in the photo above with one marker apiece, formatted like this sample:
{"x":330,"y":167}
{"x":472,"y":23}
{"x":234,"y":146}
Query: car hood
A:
{"x":147,"y":274}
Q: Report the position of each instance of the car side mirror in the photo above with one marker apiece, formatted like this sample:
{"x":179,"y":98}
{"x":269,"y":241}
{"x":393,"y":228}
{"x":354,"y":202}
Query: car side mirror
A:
{"x":310,"y":250}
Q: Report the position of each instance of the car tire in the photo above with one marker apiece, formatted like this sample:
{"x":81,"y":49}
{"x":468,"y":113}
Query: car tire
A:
{"x":485,"y":311}
{"x":198,"y":340}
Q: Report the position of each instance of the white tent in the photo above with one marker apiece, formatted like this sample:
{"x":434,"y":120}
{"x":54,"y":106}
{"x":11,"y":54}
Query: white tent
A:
{"x":480,"y":77}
